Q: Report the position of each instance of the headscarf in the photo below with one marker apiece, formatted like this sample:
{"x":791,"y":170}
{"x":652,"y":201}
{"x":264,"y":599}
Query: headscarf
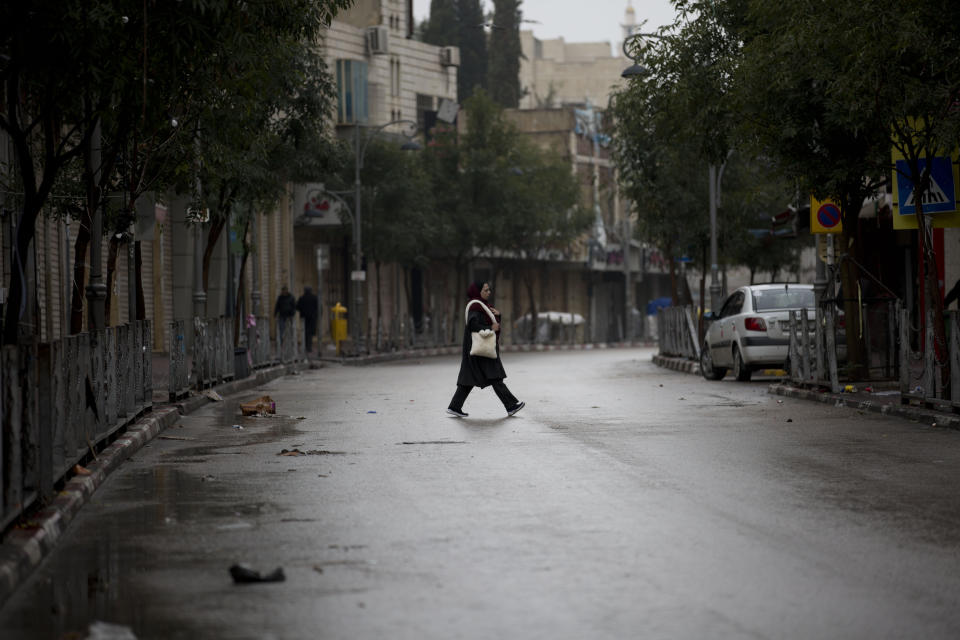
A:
{"x":473,"y":291}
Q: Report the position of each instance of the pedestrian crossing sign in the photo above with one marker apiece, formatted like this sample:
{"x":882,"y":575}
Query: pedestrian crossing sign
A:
{"x":941,"y":197}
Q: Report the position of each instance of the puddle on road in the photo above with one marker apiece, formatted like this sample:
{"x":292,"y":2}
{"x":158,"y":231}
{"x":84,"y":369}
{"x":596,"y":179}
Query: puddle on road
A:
{"x":107,"y":566}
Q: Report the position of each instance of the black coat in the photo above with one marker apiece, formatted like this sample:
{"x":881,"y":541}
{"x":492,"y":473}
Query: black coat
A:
{"x":307,"y":306}
{"x":286,"y":305}
{"x":474,"y":370}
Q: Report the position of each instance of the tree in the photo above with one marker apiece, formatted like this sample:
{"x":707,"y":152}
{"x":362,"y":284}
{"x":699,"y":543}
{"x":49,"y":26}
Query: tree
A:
{"x":136,"y":81}
{"x":830,"y":119}
{"x":517,"y":202}
{"x":503,"y":79}
{"x":398,"y":215}
{"x":473,"y":50}
{"x":460,"y":23}
{"x":442,"y":28}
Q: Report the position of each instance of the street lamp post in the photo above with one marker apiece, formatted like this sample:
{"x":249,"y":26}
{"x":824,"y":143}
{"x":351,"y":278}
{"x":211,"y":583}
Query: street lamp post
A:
{"x":358,"y":277}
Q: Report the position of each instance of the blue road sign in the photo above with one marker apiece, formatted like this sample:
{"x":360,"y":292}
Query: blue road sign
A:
{"x":941,"y":195}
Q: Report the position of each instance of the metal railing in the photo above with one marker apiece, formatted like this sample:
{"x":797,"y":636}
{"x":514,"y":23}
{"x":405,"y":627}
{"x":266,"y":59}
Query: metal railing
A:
{"x":212,"y":351}
{"x":818,"y":345}
{"x":922,"y":372}
{"x":812,"y":353}
{"x":178,"y":383}
{"x":61,"y":400}
{"x":677,"y":333}
{"x":259,"y":350}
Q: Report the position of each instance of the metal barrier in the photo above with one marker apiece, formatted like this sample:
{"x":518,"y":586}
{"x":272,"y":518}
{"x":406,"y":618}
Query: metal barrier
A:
{"x":61,"y":400}
{"x":178,"y":382}
{"x":677,"y":334}
{"x":930,"y":376}
{"x":818,"y":345}
{"x":212,"y":351}
{"x":259,"y":349}
{"x":812,"y":353}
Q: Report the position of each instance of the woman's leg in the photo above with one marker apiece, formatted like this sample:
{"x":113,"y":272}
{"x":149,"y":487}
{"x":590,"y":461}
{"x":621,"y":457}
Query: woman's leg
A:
{"x":507,"y":398}
{"x":459,"y":397}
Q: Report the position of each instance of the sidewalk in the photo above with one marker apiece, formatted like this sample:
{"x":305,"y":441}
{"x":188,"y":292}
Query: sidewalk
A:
{"x":881,"y":398}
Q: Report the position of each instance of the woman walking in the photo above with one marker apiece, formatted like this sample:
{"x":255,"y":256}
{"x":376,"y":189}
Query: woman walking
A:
{"x":479,"y":371}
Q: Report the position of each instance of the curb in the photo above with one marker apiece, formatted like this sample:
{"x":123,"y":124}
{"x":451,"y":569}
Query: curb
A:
{"x":455,"y":350}
{"x":677,"y":364}
{"x":908,"y":412}
{"x":933,"y":418}
{"x":25,"y":546}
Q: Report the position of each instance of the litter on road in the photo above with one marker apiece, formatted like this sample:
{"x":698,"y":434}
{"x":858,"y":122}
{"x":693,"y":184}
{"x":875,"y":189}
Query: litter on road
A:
{"x":258,"y":407}
{"x":243,"y":574}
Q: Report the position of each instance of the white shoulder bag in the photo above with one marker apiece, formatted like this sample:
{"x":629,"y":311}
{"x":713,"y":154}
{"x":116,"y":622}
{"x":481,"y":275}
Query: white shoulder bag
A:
{"x":484,"y":342}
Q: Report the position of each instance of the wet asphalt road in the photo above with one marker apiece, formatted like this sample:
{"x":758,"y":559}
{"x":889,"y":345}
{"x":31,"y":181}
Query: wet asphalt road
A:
{"x":625,"y":501}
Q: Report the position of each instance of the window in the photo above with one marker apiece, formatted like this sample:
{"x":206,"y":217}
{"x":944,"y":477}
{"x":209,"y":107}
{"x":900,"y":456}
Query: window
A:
{"x":733,"y":305}
{"x":351,"y":91}
{"x":787,"y":298}
{"x":394,"y":77}
{"x":424,"y":104}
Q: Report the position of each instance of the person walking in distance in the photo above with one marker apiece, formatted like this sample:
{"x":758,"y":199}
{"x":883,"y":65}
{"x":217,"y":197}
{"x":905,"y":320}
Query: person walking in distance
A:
{"x":478,"y":371}
{"x":284,"y":309}
{"x":307,"y":306}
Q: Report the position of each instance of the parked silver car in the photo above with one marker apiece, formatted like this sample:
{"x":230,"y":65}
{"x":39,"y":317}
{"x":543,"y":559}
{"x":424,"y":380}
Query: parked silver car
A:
{"x":752,"y":330}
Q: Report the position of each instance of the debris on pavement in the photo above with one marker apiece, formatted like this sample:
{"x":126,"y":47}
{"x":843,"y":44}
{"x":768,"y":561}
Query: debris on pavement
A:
{"x":371,"y":411}
{"x":238,"y":427}
{"x":242,"y":574}
{"x":213,"y":395}
{"x":100,"y":630}
{"x":258,"y":407}
{"x":81,"y":471}
{"x":311,"y":452}
{"x":175,"y":438}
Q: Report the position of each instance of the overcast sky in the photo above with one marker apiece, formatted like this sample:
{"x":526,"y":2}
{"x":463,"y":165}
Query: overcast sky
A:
{"x":579,"y":20}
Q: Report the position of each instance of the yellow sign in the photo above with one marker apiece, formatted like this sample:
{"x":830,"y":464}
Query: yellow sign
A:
{"x":942,"y":199}
{"x":825,"y":216}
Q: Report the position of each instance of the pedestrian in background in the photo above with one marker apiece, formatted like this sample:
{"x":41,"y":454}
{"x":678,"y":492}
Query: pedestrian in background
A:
{"x":307,"y":306}
{"x":284,"y":309}
{"x":477,"y":371}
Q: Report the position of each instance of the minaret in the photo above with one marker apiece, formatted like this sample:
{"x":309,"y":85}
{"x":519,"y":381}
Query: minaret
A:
{"x":629,"y":20}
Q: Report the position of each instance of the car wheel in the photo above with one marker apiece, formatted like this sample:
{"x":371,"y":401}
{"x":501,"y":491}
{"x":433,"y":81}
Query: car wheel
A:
{"x":740,"y":370}
{"x":707,"y":369}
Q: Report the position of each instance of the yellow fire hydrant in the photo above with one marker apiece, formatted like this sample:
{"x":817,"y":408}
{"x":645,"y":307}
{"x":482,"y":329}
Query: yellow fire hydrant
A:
{"x":338,"y":325}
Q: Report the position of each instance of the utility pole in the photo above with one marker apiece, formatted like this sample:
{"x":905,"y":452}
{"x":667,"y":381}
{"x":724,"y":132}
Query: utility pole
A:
{"x":96,"y":289}
{"x":199,"y":295}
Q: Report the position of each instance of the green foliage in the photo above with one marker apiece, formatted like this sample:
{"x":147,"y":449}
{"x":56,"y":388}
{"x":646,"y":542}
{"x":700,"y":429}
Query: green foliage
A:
{"x":398,"y":207}
{"x":521,"y":199}
{"x":460,"y":23}
{"x":442,"y":27}
{"x":503,"y":73}
{"x":145,"y":75}
{"x":473,"y":50}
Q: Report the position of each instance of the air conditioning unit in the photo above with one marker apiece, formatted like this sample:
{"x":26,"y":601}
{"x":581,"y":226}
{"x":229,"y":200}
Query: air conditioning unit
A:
{"x":450,"y":56}
{"x":378,"y":39}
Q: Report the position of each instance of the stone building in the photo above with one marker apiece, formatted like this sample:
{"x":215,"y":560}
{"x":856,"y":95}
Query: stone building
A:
{"x":383,"y":75}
